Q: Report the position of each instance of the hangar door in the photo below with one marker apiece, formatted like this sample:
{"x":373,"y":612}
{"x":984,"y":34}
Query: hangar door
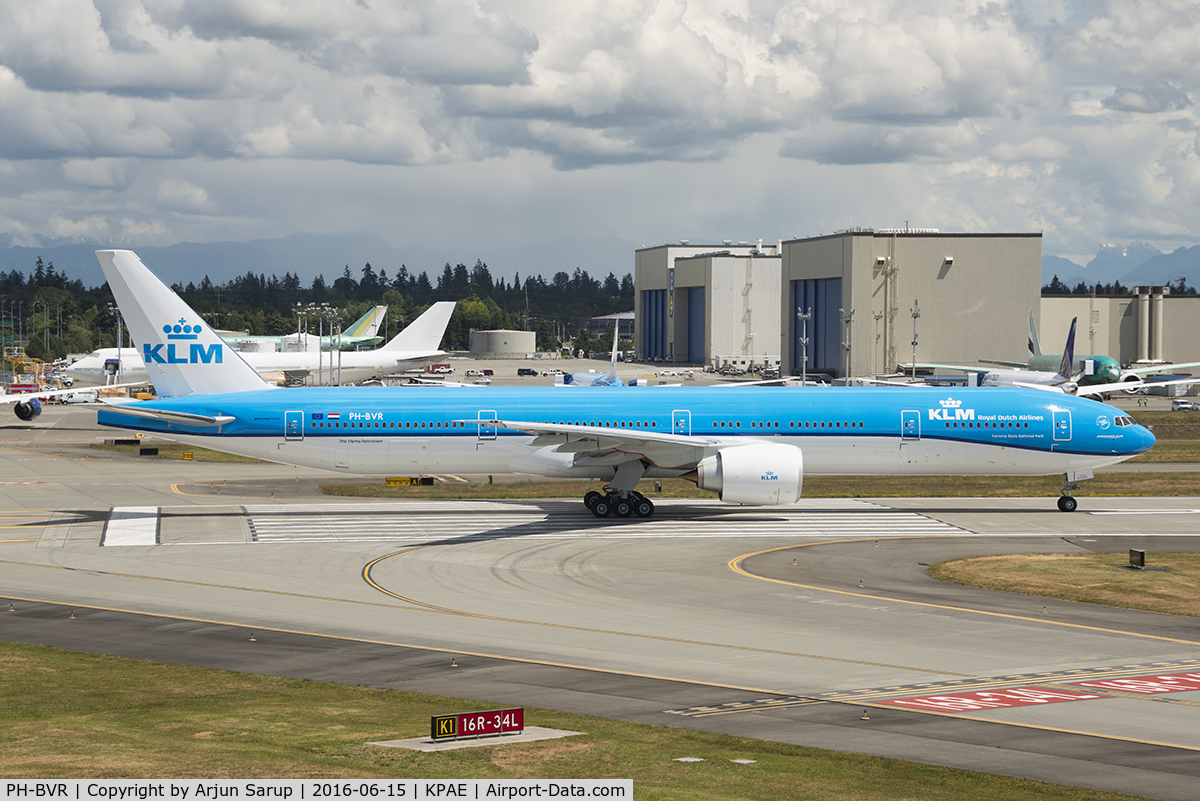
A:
{"x":695,"y":329}
{"x":824,"y":297}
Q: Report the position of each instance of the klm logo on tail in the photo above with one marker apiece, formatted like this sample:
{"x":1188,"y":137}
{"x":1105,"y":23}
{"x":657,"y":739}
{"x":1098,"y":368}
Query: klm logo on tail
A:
{"x":195,"y":353}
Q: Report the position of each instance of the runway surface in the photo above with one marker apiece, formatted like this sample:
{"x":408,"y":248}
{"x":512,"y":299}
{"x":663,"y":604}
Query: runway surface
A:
{"x":789,"y":625}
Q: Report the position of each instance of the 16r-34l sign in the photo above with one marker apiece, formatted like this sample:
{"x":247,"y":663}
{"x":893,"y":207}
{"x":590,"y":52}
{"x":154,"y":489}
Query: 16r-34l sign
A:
{"x":477,"y":724}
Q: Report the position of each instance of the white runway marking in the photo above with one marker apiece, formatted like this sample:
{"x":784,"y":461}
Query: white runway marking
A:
{"x":430,"y":521}
{"x":131,"y":525}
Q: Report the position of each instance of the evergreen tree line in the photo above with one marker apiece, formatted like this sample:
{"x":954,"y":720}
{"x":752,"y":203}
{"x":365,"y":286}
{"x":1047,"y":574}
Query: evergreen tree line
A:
{"x":1058,"y":287}
{"x":57,"y":315}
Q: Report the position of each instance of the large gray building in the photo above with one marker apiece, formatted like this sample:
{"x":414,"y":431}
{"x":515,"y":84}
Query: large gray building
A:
{"x":1148,"y":326}
{"x":974,"y":293}
{"x":706,"y":304}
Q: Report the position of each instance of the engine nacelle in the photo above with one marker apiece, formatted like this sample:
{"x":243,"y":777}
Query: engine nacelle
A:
{"x":27,"y":410}
{"x":756,"y":475}
{"x":1133,"y":383}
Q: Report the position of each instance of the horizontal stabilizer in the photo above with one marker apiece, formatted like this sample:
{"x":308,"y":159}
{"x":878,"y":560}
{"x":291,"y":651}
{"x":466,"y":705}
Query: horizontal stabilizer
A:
{"x":168,"y":416}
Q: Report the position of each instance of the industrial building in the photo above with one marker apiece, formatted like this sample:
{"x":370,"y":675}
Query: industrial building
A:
{"x":708,"y":304}
{"x":1147,"y":326}
{"x":861,"y":290}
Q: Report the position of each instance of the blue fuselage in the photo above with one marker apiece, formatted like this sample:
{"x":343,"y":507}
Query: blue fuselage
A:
{"x":934,"y":431}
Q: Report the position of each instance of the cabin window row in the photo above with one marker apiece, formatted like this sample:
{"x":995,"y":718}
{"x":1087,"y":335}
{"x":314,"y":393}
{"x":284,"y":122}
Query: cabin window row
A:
{"x":393,"y":424}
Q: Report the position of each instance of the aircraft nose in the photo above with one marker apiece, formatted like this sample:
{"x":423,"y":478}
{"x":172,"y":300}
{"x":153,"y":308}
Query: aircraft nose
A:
{"x":1146,"y":439}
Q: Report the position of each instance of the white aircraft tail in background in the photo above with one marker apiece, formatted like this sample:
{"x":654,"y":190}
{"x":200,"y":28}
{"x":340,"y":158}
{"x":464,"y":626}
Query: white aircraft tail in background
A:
{"x":424,"y":334}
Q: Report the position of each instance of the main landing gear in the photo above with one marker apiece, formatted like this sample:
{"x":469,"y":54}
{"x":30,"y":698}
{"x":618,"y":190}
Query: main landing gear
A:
{"x":1066,"y":503}
{"x":617,"y":503}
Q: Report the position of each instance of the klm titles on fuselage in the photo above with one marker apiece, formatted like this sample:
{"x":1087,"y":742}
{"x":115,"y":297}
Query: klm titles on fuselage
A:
{"x":952,"y":411}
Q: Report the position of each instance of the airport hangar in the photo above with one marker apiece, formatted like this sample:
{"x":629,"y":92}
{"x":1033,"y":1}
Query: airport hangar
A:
{"x":715,"y":304}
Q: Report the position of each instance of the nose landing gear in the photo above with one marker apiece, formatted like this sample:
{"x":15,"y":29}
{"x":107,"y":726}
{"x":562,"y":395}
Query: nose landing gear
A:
{"x":1066,"y":503}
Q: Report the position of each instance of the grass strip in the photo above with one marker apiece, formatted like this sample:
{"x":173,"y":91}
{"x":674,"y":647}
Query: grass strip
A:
{"x":1098,"y":578}
{"x":70,"y":715}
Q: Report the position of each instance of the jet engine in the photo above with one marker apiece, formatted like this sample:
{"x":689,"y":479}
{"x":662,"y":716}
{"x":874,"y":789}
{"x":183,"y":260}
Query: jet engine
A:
{"x":27,"y":410}
{"x":755,"y":475}
{"x":1133,"y":383}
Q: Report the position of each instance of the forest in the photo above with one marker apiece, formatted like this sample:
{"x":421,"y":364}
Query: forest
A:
{"x":56,"y":315}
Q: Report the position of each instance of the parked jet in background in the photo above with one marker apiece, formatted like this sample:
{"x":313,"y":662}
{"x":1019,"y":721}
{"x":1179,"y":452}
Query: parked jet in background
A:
{"x":1064,"y":379}
{"x":415,"y":346}
{"x":1091,"y":370}
{"x":750,"y":445}
{"x":363,"y":331}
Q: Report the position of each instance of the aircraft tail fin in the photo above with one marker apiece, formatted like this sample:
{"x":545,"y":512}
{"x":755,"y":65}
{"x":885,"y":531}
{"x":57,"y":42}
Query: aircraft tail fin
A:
{"x":368,"y":324}
{"x":183,"y":355}
{"x":1066,"y":369}
{"x":612,"y":360}
{"x":1035,"y":346}
{"x":424,"y":333}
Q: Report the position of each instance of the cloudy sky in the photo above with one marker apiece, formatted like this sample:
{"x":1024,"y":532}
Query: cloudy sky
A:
{"x":514,"y":124}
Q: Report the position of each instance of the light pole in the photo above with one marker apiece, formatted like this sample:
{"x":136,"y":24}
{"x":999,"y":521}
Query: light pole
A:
{"x":847,"y":319}
{"x":115,"y":309}
{"x":916,"y":315}
{"x":803,"y":318}
{"x":878,"y":317}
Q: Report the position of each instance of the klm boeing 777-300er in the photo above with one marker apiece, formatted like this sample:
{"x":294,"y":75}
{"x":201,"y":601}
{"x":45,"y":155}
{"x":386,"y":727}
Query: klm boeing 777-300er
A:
{"x":750,"y":445}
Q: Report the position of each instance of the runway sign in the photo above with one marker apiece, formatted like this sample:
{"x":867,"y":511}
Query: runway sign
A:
{"x":477,"y":724}
{"x":1147,"y":685}
{"x":991,"y":699}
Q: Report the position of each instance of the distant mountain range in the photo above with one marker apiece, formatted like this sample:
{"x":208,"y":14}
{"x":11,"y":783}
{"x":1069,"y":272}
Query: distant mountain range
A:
{"x":1136,"y":264}
{"x":308,"y":255}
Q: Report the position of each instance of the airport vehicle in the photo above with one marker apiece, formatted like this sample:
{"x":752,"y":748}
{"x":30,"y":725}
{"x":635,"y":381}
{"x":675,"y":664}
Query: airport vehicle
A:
{"x":524,"y":371}
{"x":413,"y":347}
{"x":750,"y":445}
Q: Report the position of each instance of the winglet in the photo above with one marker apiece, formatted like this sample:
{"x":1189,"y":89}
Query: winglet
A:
{"x":1065,"y":370}
{"x":183,"y":355}
{"x":1035,"y":346}
{"x":424,"y":333}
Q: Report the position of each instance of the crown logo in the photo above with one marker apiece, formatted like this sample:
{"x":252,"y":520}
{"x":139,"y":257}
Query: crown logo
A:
{"x":181,"y":330}
{"x":950,"y":403}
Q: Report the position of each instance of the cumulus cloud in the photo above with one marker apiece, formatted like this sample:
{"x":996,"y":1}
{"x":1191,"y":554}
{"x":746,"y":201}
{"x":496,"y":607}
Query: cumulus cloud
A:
{"x":1056,"y":102}
{"x":182,"y":195}
{"x":1152,"y":98}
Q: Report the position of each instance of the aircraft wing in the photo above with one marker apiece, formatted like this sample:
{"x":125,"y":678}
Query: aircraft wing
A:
{"x":1131,"y":386}
{"x":1020,"y":365}
{"x":602,"y":443}
{"x":1162,"y":368}
{"x":54,"y":393}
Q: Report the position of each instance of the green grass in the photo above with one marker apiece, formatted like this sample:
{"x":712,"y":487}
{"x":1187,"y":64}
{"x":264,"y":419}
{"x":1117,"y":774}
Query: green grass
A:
{"x":73,"y":715}
{"x":1170,"y":425}
{"x":1099,"y":578}
{"x":1175,"y":451}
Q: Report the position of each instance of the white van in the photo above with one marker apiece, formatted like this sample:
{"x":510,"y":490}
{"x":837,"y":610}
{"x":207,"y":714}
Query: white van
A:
{"x":81,"y":396}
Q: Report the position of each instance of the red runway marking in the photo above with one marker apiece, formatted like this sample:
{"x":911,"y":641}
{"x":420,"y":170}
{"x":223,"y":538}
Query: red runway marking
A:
{"x":1147,"y":685}
{"x":992,"y":699}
